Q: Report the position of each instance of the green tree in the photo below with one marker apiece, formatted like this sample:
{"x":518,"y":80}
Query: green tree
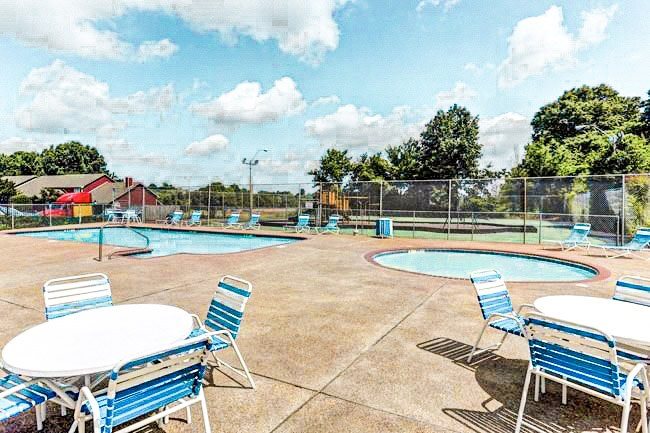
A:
{"x":21,"y":163}
{"x":646,"y":117}
{"x":449,"y":147}
{"x":7,"y":190}
{"x":72,"y":157}
{"x":335,"y":166}
{"x":587,"y":130}
{"x":405,"y":159}
{"x":371,"y":167}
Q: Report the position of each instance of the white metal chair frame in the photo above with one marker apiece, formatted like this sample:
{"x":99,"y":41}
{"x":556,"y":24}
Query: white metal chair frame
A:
{"x":561,"y":338}
{"x":626,"y":250}
{"x":225,"y":336}
{"x":231,"y":222}
{"x":569,"y":244}
{"x":493,"y":317}
{"x":69,"y":295}
{"x":121,"y":378}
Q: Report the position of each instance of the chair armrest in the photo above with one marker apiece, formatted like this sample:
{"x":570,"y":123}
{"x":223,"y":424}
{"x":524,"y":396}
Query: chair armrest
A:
{"x":639,"y":371}
{"x":86,"y":395}
{"x":522,"y":306}
{"x":197,"y":321}
{"x":14,"y":389}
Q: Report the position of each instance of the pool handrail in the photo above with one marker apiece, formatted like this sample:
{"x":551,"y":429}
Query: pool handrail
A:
{"x":100,"y":241}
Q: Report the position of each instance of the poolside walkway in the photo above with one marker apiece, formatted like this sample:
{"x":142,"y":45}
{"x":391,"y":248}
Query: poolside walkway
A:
{"x":336,"y":344}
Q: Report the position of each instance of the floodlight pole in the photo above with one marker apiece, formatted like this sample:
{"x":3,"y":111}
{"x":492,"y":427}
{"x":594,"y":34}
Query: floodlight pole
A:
{"x":250,"y":163}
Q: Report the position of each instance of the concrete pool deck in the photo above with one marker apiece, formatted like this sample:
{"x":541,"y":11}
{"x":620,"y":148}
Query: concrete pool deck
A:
{"x":335,"y":343}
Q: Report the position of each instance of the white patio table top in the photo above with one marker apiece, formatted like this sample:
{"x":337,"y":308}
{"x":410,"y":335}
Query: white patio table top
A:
{"x":627,"y":322}
{"x":94,"y":341}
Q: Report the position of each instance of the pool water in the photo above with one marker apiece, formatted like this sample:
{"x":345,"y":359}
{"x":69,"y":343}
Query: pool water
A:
{"x":165,"y":242}
{"x":460,"y":263}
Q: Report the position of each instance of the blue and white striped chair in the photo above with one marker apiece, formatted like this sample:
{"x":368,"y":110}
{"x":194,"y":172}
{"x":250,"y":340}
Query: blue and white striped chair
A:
{"x":253,"y":223}
{"x":577,"y":238}
{"x":496,"y":308}
{"x":301,"y":226}
{"x":332,"y":225}
{"x":70,"y":295}
{"x":232,"y":222}
{"x":225,"y":316}
{"x":154,"y":384}
{"x":633,"y":289}
{"x":584,"y":359}
{"x":18,"y":395}
{"x":195,"y":218}
{"x":638,"y":244}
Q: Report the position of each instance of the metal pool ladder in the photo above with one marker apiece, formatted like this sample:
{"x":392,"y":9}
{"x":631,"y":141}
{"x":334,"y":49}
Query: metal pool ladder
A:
{"x":128,"y":251}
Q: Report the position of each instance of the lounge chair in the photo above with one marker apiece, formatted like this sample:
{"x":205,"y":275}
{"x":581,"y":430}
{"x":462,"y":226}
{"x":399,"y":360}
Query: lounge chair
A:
{"x":301,"y":226}
{"x":153,"y":384}
{"x":636,"y":290}
{"x":225,"y":316}
{"x":195,"y":219}
{"x":253,"y":223}
{"x":70,"y":295}
{"x":19,"y":395}
{"x":576,"y":239}
{"x":174,"y":219}
{"x":332,"y":225}
{"x":232,"y":222}
{"x":584,"y":359}
{"x":496,"y":308}
{"x":130,"y":215}
{"x":638,"y":244}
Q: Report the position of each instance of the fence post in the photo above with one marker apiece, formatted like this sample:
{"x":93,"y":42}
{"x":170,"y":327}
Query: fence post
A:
{"x":623,"y":205}
{"x":539,"y":231}
{"x":299,"y":198}
{"x":413,"y":224}
{"x":471,"y":237}
{"x":143,"y":203}
{"x":449,"y":212}
{"x":209,"y":200}
{"x":381,"y":198}
{"x":13,"y":215}
{"x":320,"y":203}
{"x":525,"y":208}
{"x":223,"y":204}
{"x":49,"y":205}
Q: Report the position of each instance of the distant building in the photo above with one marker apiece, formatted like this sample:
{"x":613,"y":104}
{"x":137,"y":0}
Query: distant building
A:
{"x":102,"y":188}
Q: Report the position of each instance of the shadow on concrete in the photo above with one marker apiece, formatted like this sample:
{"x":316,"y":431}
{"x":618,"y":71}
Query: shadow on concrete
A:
{"x":502,"y":379}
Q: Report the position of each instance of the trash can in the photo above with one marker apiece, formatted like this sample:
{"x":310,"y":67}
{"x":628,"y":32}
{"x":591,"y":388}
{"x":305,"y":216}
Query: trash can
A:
{"x":384,"y":228}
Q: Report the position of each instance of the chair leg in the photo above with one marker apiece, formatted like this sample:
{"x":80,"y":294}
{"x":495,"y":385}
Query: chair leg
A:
{"x":644,"y":414}
{"x":564,"y":392}
{"x":478,"y":340}
{"x":625,"y":417}
{"x":537,"y":378}
{"x":522,"y":404}
{"x":64,"y":411}
{"x":543,"y":385}
{"x":39,"y":419}
{"x":243,"y":365}
{"x":188,"y":414}
{"x":204,"y":410}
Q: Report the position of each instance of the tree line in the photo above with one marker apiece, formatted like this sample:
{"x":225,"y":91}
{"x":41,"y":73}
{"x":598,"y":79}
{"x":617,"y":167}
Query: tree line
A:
{"x":587,"y":130}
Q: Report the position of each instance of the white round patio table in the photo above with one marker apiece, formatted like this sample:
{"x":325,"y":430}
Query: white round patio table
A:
{"x":94,"y":341}
{"x":625,"y":321}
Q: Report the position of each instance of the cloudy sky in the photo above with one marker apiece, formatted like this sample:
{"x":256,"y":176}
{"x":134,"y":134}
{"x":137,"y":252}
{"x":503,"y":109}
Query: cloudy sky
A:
{"x":182,"y":90}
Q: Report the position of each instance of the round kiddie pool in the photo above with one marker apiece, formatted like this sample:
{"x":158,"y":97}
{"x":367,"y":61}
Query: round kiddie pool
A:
{"x":460,"y":263}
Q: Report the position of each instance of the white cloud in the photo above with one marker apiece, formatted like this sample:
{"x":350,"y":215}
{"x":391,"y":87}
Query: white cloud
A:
{"x":64,"y":99}
{"x":351,"y":126}
{"x":326,"y":100}
{"x":446,"y":4}
{"x":303,"y":29}
{"x":162,"y":49}
{"x":460,"y":94}
{"x":542,"y":42}
{"x":246,"y":103}
{"x":503,"y":138}
{"x":478,"y":70}
{"x":211,"y":144}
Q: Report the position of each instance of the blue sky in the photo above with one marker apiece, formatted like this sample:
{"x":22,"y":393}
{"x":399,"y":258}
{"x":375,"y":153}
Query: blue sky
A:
{"x":183,"y":90}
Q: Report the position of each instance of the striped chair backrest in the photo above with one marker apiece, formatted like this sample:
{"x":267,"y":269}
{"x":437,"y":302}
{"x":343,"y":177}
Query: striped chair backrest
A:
{"x":492,"y":293}
{"x":641,"y":239}
{"x":227,"y":307}
{"x":177,"y":216}
{"x":303,"y":220}
{"x":150,"y":382}
{"x":70,"y":295}
{"x":255,"y":218}
{"x":582,"y":355}
{"x":579,"y":232}
{"x":333,"y":221}
{"x":232,"y":218}
{"x":633,"y":289}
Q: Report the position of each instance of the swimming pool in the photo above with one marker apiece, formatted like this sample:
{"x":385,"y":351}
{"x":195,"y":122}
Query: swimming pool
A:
{"x":165,"y":242}
{"x":460,"y":263}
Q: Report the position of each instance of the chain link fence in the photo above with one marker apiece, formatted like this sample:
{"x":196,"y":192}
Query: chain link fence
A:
{"x":522,"y":210}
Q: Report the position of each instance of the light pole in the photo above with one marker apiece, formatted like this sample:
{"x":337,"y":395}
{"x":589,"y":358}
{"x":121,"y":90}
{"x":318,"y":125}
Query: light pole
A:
{"x":611,"y":138}
{"x":250,"y":163}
